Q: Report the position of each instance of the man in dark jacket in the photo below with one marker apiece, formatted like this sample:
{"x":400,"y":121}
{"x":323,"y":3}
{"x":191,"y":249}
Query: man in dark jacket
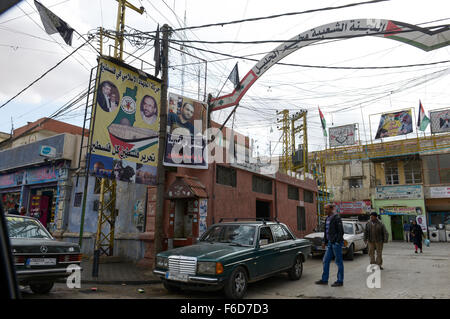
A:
{"x":333,"y":239}
{"x":375,"y":235}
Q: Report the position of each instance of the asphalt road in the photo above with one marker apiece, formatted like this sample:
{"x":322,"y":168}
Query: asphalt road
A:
{"x":406,"y":275}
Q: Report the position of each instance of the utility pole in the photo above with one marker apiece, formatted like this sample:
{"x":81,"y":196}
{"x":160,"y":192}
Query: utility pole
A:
{"x":161,"y":175}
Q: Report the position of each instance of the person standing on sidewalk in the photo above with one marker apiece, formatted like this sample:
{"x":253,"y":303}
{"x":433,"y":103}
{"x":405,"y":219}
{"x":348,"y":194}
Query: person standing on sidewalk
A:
{"x":416,"y":236}
{"x":375,"y":235}
{"x":406,"y":231}
{"x":334,"y":240}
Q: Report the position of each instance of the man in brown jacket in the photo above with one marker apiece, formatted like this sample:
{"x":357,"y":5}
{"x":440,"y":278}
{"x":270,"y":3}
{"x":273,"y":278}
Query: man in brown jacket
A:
{"x":376,"y":235}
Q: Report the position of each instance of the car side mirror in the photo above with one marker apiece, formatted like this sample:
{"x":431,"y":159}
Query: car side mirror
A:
{"x":263,"y":242}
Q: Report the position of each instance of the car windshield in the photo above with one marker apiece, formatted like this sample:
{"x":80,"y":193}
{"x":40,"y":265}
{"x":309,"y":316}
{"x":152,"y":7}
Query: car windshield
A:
{"x":25,"y":228}
{"x":234,"y":234}
{"x":348,"y":229}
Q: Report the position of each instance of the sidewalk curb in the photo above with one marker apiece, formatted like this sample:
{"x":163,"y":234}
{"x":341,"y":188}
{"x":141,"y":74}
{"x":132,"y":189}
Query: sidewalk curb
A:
{"x":118,"y":282}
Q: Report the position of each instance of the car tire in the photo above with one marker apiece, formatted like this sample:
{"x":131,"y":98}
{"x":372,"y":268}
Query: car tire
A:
{"x":236,"y":285}
{"x":41,"y":287}
{"x":171,"y":287}
{"x":350,"y":253}
{"x":295,"y":273}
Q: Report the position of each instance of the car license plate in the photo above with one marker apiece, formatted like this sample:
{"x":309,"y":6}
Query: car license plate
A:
{"x":41,"y":261}
{"x":177,"y":276}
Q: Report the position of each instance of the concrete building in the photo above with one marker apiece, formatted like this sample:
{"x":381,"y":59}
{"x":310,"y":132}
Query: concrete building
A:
{"x":401,"y":180}
{"x":38,"y":180}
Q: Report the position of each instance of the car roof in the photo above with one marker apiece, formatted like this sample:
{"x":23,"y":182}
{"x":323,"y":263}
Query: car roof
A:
{"x":249,"y":222}
{"x":19,"y":216}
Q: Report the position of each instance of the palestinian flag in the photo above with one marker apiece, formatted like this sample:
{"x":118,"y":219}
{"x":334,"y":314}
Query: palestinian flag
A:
{"x":423,"y":120}
{"x":324,"y":123}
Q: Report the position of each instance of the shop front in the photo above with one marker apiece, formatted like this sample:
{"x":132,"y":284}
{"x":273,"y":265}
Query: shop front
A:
{"x":437,"y":202}
{"x":187,"y":211}
{"x":399,"y":204}
{"x":36,"y":189}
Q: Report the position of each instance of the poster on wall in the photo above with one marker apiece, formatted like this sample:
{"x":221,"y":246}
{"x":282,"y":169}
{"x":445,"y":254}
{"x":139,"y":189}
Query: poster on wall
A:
{"x":422,"y":222}
{"x":203,"y":212}
{"x":440,"y":121}
{"x":395,"y":124}
{"x":125,"y":135}
{"x":186,"y":124}
{"x":357,"y":207}
{"x":342,"y":135}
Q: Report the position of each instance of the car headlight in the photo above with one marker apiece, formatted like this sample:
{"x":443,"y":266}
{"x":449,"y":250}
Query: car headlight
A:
{"x":209,"y":268}
{"x":345,"y":243}
{"x":162,"y":262}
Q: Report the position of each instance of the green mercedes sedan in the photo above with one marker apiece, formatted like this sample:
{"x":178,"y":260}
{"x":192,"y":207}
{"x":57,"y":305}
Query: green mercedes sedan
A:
{"x":230,"y":255}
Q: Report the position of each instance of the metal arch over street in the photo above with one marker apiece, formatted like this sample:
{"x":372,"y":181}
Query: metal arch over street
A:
{"x":426,"y":39}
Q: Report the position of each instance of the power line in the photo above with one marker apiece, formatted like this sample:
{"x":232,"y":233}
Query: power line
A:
{"x":43,"y":75}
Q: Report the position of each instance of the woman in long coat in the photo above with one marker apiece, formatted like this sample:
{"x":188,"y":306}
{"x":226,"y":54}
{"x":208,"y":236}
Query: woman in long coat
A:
{"x":416,"y":235}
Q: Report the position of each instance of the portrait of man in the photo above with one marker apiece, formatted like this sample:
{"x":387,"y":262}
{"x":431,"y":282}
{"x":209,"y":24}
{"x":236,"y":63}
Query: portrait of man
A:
{"x":107,"y":96}
{"x":149,"y":109}
{"x":183,"y":119}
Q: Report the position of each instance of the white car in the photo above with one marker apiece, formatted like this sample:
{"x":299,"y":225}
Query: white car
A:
{"x":353,"y":239}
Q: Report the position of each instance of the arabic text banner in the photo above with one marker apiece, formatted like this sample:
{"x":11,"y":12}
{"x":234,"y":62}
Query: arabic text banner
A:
{"x":127,"y":106}
{"x":394,"y":124}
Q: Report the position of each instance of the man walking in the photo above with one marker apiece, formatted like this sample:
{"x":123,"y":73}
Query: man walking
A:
{"x":376,"y":235}
{"x":334,"y":240}
{"x":406,"y":230}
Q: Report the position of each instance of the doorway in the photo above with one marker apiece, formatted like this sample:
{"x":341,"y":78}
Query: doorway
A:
{"x":397,"y":227}
{"x":262,"y":209}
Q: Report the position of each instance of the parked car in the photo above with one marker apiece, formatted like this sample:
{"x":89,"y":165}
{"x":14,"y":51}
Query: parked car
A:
{"x":39,"y":259}
{"x":353,"y":239}
{"x":230,"y":255}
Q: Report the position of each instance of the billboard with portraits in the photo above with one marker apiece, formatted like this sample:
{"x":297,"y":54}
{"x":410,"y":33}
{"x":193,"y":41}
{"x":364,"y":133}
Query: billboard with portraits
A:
{"x":395,"y":124}
{"x":186,"y":126}
{"x":125,"y":129}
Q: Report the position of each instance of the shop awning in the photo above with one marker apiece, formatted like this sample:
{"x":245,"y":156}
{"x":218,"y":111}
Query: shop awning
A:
{"x":186,"y":187}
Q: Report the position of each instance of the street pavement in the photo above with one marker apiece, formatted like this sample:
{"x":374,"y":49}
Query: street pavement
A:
{"x":406,"y":275}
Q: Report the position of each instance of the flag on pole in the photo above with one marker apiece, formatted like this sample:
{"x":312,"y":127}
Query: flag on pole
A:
{"x":423,"y":120}
{"x":234,"y":76}
{"x":157,"y":54}
{"x":324,"y":123}
{"x":53,"y":24}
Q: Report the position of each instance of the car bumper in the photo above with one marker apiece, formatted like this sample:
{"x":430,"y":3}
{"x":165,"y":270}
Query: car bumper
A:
{"x":320,"y":250}
{"x":191,"y":279}
{"x":29,"y":275}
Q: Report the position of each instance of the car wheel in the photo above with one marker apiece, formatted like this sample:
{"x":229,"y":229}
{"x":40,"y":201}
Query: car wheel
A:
{"x":351,"y":250}
{"x":41,"y":288}
{"x":171,"y":287}
{"x":236,"y":286}
{"x":295,"y":273}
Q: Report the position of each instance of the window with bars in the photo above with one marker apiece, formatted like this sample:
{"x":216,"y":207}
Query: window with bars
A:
{"x":413,"y":172}
{"x":226,"y":176}
{"x":308,"y":196}
{"x":391,"y":173}
{"x":293,"y":193}
{"x":436,"y":169}
{"x":261,"y":185}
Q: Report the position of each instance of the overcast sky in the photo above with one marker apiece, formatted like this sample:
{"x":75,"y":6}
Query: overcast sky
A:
{"x":344,"y":96}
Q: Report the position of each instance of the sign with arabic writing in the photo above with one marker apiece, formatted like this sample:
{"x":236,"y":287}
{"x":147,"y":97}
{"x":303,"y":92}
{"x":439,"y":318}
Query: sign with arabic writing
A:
{"x":440,"y":121}
{"x":185,"y":142}
{"x":394,"y":124}
{"x":126,"y":112}
{"x":423,"y":38}
{"x":399,"y":192}
{"x":342,"y":135}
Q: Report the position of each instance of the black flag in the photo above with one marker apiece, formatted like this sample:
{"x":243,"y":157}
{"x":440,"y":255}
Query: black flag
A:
{"x":157,"y":55}
{"x":53,"y":24}
{"x":234,"y":76}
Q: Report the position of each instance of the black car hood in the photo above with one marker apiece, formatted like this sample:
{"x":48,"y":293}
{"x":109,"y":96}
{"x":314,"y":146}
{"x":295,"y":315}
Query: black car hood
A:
{"x":22,"y":245}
